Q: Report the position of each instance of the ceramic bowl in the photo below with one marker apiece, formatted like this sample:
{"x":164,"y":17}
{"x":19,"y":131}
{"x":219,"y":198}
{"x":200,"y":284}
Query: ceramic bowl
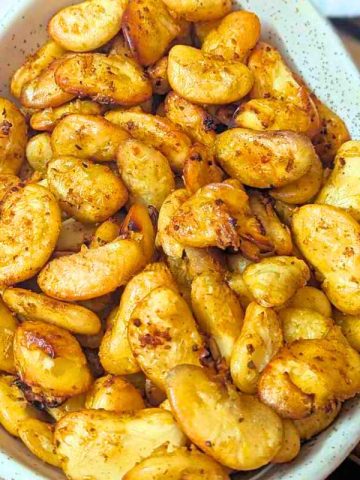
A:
{"x":315,"y":51}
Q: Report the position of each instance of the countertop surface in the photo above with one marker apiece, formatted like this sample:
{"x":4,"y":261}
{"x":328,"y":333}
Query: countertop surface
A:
{"x":353,"y":45}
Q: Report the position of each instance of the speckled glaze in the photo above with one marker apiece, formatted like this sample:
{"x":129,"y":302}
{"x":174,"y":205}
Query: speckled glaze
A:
{"x":314,"y":50}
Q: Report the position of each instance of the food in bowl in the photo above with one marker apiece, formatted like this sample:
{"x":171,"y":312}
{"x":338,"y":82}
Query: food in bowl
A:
{"x":179,"y":247}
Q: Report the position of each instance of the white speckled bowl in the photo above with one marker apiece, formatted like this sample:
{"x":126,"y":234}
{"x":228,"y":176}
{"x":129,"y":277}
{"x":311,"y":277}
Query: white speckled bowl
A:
{"x":317,"y":54}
